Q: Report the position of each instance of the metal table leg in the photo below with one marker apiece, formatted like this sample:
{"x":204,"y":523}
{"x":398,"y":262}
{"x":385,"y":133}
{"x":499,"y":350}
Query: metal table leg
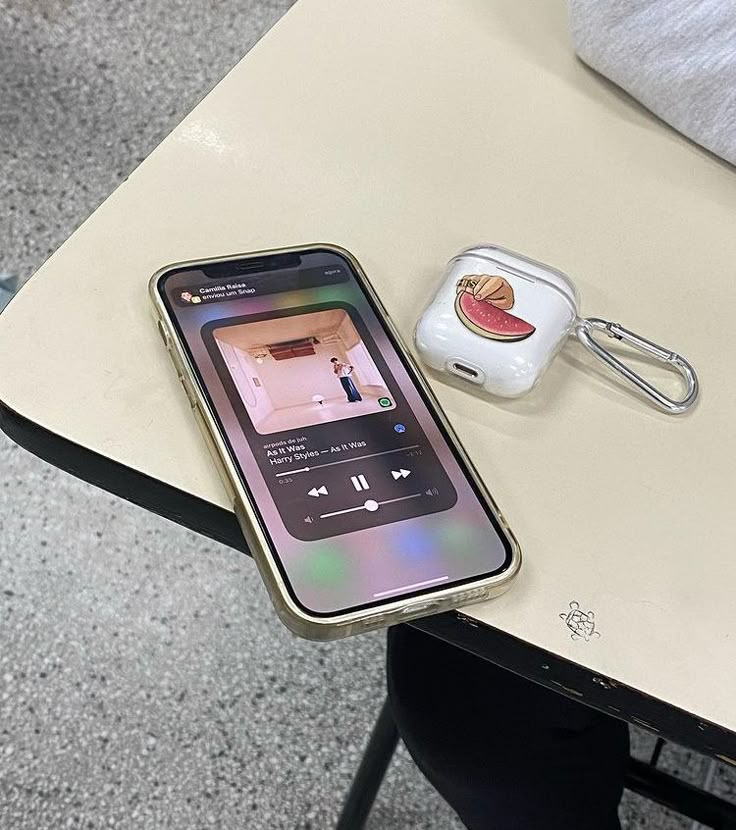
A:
{"x":373,"y":766}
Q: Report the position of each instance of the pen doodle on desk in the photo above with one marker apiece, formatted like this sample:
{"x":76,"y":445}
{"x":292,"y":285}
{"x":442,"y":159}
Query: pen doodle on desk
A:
{"x":580,"y":623}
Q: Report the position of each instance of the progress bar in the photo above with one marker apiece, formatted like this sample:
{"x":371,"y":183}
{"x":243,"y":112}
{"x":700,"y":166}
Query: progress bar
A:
{"x":410,"y":587}
{"x":369,"y":505}
{"x":346,"y":460}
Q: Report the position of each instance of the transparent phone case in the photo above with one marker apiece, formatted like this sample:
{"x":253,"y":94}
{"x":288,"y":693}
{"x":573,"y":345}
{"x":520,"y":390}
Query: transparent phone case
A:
{"x":393,"y":610}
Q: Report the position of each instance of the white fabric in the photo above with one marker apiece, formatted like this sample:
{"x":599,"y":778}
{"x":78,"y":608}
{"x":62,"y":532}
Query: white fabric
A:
{"x":678,"y":57}
{"x":344,"y":370}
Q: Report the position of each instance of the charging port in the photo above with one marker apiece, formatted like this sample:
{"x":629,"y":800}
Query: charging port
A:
{"x":465,"y":370}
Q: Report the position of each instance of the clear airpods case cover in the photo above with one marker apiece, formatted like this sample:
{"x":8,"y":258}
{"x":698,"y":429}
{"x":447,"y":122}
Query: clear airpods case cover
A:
{"x":498,"y":320}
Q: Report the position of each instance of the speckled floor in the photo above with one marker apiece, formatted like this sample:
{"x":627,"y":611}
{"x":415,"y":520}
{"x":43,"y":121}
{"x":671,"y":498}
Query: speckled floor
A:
{"x":144,"y":681}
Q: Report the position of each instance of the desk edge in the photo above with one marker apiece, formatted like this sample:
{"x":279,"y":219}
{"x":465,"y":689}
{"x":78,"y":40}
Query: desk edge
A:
{"x":561,"y":675}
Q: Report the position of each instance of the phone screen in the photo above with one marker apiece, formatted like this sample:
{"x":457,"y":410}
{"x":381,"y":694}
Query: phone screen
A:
{"x":355,"y":482}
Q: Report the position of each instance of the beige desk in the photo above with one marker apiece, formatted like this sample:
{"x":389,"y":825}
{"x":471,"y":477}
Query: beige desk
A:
{"x":405,"y":131}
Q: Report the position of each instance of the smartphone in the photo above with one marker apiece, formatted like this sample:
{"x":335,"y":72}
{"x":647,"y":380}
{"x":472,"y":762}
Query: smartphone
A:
{"x":355,"y":496}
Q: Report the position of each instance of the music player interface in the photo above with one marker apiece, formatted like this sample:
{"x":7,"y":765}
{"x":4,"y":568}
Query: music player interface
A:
{"x":355,"y":456}
{"x":360,"y":493}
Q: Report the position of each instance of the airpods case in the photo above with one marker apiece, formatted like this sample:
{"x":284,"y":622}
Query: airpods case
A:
{"x":498,"y":320}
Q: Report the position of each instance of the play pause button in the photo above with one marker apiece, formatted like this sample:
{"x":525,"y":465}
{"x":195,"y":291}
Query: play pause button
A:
{"x":397,"y":474}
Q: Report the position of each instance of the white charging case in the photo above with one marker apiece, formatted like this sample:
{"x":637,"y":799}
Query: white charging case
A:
{"x":503,"y":342}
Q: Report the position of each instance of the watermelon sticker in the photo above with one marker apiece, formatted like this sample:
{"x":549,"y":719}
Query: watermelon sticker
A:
{"x":482,"y":303}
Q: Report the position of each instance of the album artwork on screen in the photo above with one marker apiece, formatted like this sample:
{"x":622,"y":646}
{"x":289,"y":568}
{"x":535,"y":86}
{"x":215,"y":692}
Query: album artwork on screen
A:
{"x":297,"y":370}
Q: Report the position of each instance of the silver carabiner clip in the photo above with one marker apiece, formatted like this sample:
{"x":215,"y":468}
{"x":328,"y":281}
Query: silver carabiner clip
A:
{"x":584,"y":331}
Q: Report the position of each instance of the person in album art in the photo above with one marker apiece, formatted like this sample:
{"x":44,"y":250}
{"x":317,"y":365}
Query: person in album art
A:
{"x":344,"y":372}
